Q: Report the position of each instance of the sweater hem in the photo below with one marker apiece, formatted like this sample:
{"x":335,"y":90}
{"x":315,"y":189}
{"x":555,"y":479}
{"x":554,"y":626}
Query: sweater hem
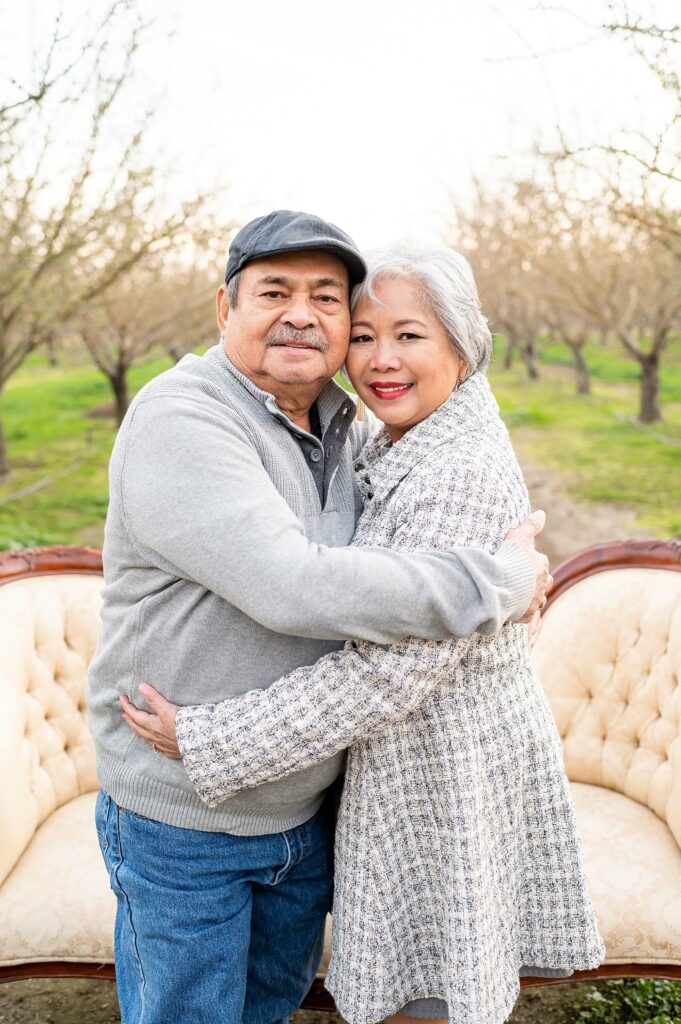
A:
{"x":171,"y":805}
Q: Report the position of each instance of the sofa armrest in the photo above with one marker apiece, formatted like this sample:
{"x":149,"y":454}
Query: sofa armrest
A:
{"x":48,"y":631}
{"x":18,"y":806}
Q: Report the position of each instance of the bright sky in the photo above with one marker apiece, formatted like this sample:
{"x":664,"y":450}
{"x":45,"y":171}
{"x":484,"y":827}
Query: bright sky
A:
{"x":370,"y":112}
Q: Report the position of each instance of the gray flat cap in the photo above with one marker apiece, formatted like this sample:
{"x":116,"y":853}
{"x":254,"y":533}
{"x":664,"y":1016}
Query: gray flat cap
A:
{"x":291,"y":231}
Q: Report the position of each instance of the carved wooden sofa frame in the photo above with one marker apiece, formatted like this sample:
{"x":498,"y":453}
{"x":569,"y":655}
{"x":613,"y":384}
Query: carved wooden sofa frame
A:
{"x":625,"y":556}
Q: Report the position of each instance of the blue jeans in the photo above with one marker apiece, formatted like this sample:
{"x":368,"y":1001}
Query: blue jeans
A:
{"x":212,"y":927}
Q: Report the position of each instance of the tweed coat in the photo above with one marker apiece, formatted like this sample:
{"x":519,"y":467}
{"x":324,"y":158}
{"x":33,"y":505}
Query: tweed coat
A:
{"x":458,"y":863}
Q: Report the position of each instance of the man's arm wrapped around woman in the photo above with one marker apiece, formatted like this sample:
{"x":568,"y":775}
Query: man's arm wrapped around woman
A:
{"x":451,"y":498}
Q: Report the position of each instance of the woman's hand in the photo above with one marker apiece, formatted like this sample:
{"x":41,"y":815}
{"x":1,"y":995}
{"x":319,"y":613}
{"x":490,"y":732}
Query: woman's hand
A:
{"x":158,"y":728}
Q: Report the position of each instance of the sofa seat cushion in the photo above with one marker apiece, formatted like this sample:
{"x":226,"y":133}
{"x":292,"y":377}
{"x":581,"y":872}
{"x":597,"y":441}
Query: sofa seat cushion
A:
{"x":56,"y":903}
{"x":634,"y":869}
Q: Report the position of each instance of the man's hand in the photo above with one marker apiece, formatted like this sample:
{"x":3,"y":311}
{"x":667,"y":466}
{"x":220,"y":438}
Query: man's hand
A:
{"x":157,"y":729}
{"x":534,"y":629}
{"x":524,"y":536}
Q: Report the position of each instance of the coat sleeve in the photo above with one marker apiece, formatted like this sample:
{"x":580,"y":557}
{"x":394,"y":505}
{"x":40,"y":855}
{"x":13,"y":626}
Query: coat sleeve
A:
{"x":313,"y":712}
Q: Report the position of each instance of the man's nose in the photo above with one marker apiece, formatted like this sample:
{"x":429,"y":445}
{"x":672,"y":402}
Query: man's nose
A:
{"x":300,"y":314}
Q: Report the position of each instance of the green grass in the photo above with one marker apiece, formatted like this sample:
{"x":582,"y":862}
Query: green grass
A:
{"x":49,"y":434}
{"x":611,"y":363}
{"x":602,"y":457}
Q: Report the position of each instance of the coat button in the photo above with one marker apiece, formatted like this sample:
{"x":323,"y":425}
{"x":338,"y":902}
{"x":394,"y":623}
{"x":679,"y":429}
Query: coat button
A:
{"x":315,"y":455}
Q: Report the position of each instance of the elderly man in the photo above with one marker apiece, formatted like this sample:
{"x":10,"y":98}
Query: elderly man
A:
{"x":232,"y":497}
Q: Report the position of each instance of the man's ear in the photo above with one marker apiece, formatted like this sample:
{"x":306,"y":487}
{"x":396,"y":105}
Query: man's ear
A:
{"x":222,"y":308}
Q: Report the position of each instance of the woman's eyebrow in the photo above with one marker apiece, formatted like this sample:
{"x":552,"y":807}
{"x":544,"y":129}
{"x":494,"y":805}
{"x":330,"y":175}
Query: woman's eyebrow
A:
{"x":360,"y":323}
{"x":410,"y":320}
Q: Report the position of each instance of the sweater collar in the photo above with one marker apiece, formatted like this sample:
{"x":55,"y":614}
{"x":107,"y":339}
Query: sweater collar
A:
{"x":468,"y":410}
{"x":330,"y":400}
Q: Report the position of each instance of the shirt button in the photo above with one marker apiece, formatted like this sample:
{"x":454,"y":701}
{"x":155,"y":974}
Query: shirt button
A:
{"x":315,"y":455}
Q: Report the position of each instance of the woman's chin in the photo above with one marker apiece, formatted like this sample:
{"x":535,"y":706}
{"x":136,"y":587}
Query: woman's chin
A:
{"x":397,"y":425}
{"x":396,"y":412}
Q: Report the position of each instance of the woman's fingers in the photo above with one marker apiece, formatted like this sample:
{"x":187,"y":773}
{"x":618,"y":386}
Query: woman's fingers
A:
{"x":151,"y":729}
{"x":147,"y":733}
{"x":139,"y":717}
{"x":157,"y":702}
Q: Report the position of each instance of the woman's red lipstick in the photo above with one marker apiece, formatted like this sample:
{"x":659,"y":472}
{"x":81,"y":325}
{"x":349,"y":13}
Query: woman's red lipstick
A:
{"x":387,"y":390}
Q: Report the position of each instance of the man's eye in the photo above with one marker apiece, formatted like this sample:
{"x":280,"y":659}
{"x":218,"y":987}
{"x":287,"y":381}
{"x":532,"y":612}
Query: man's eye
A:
{"x":273,"y":295}
{"x":361,"y":338}
{"x":327,"y":299}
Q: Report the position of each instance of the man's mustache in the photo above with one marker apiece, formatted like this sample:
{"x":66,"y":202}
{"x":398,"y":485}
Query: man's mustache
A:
{"x":280,"y":335}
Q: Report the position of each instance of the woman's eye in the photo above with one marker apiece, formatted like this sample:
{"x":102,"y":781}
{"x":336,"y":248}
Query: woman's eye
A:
{"x":361,"y":338}
{"x":407,"y":336}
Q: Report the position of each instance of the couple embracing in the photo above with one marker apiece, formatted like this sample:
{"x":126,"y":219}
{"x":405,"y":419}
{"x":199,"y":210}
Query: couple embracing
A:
{"x":333,"y":610}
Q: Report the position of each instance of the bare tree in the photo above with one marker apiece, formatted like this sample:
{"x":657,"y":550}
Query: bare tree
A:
{"x":641,"y":169}
{"x":646,"y":312}
{"x":547,"y":258}
{"x":154,"y":306}
{"x":74,"y":223}
{"x":494,"y":232}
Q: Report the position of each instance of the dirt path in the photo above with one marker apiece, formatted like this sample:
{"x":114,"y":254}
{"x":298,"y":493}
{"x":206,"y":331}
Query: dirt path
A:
{"x":75,"y":1001}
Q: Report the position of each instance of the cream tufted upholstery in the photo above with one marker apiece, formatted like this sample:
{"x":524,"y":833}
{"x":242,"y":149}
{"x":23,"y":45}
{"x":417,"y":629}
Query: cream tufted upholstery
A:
{"x":610,"y":660}
{"x":48,"y":632}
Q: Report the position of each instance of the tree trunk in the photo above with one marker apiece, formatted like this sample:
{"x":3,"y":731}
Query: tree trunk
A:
{"x":119,"y":384}
{"x":508,"y":354}
{"x":4,"y":461}
{"x":529,"y":357}
{"x":649,"y":409}
{"x":51,"y":351}
{"x":174,"y":353}
{"x":581,"y":369}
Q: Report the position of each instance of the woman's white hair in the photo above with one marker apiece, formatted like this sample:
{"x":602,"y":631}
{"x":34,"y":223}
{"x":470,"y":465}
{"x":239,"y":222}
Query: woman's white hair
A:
{"x":447,"y":286}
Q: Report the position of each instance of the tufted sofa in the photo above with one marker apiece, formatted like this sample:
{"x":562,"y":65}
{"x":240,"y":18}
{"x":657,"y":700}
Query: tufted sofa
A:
{"x":610,"y":660}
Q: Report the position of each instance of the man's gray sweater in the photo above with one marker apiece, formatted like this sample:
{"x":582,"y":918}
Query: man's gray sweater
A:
{"x":224,"y":572}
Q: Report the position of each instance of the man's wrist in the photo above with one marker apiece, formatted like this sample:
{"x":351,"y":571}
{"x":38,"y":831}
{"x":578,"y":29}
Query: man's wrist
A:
{"x":519,"y":579}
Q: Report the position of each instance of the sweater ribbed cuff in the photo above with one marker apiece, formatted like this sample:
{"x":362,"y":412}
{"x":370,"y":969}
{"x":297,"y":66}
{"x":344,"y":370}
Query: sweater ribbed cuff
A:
{"x":519,"y":579}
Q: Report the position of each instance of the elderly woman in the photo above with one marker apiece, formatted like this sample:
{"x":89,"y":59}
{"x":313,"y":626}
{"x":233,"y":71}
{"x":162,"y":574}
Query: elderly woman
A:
{"x":458,"y":864}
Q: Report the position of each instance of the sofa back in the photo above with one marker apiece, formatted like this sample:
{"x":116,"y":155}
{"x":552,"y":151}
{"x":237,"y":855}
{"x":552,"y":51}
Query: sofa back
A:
{"x":609,"y":658}
{"x":49,"y":623}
